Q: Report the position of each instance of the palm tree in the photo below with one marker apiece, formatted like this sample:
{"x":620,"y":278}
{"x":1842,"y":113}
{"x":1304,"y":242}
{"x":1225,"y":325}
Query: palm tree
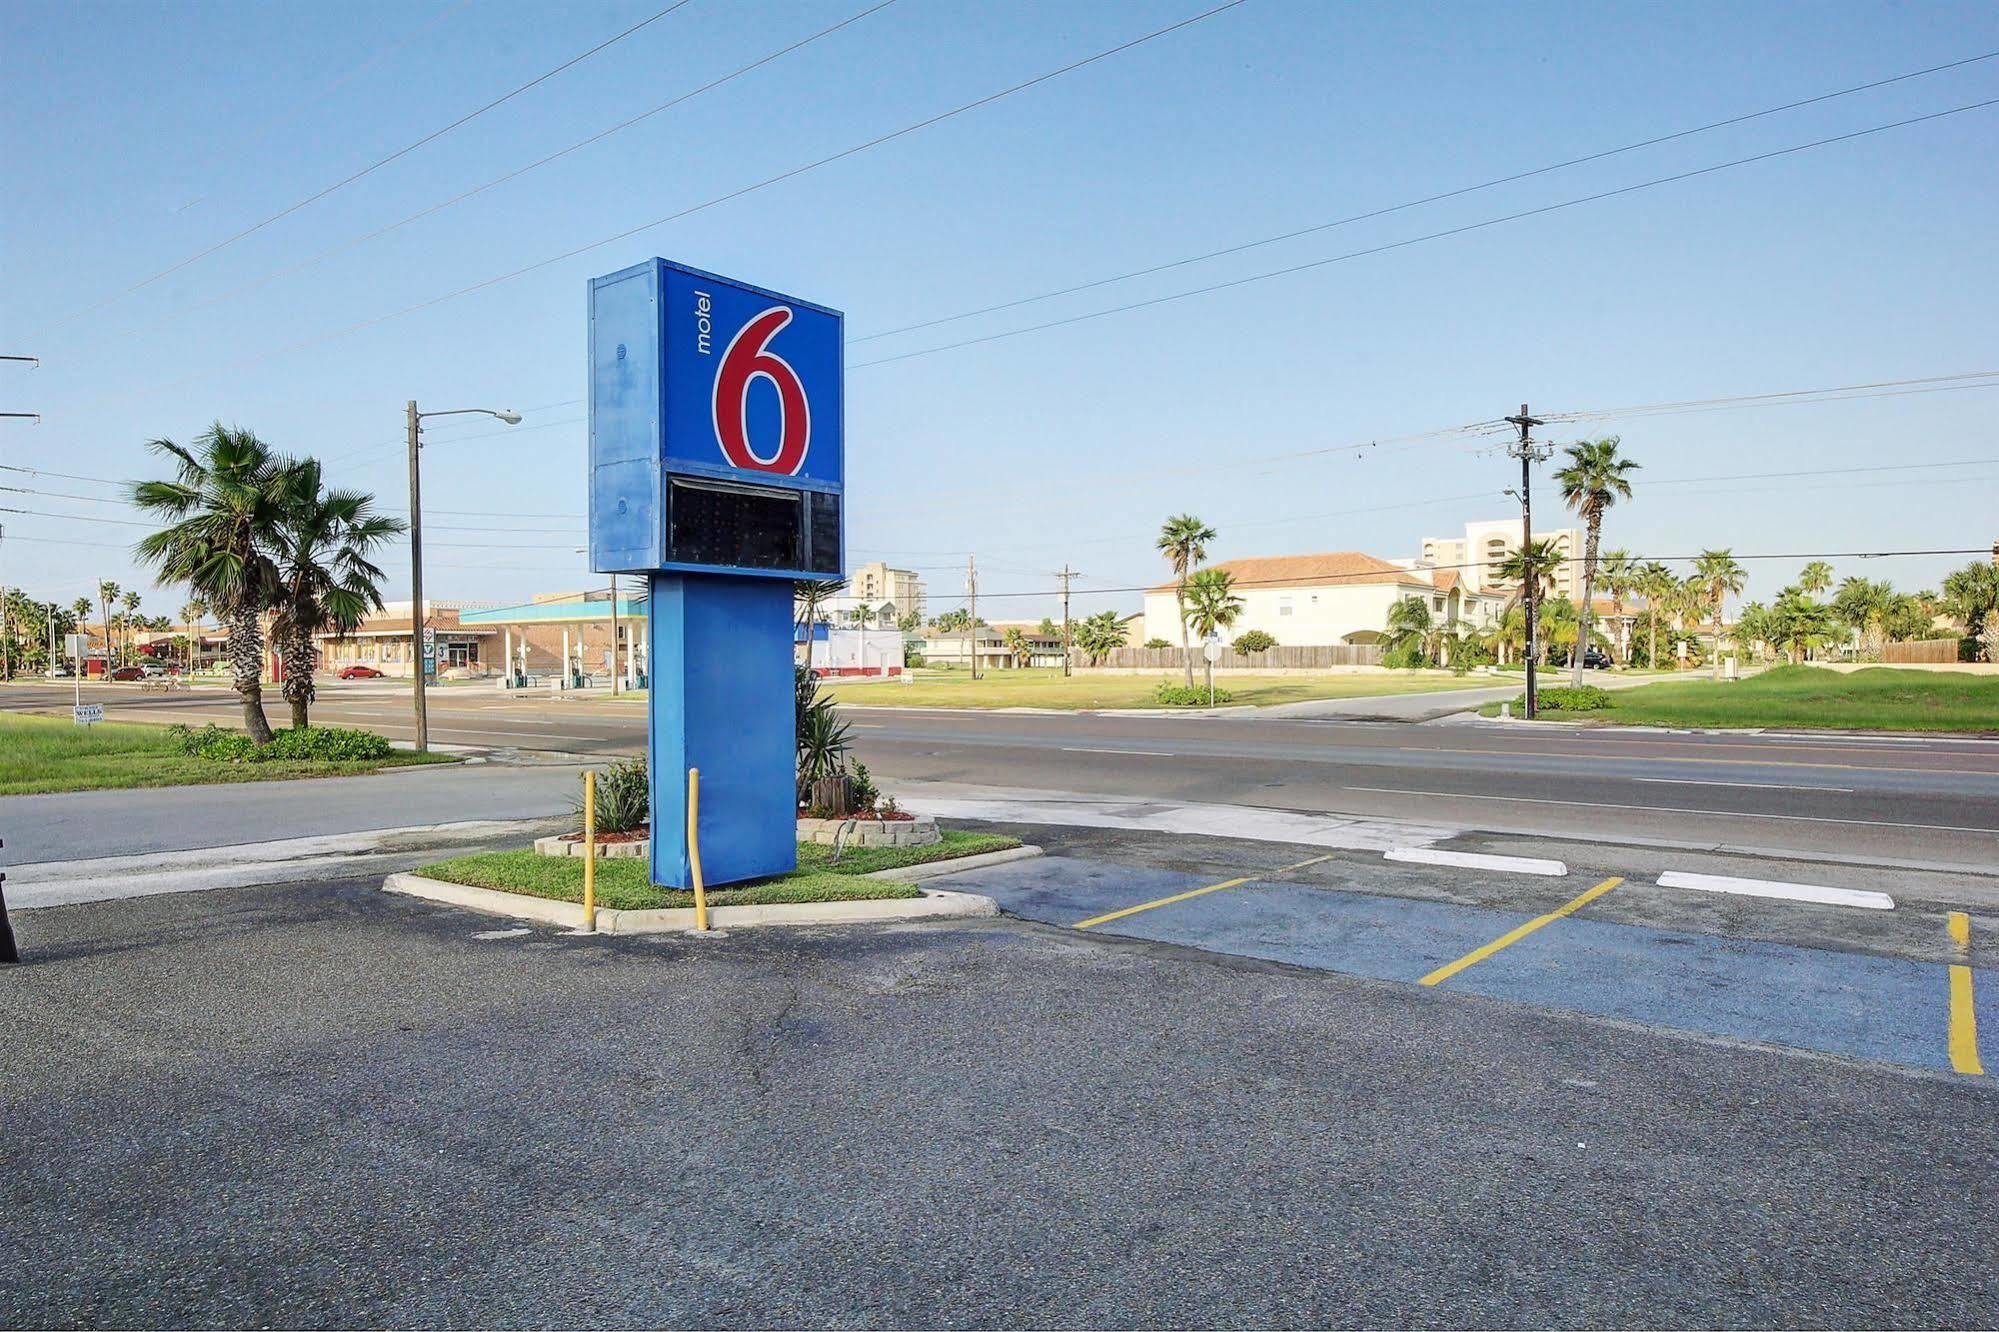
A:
{"x":1619,"y":573}
{"x":1097,"y":636}
{"x":1815,"y":578}
{"x":1531,"y":569}
{"x":132,"y":618}
{"x":224,"y":515}
{"x":107,"y":594}
{"x":1183,"y":540}
{"x":1411,"y":626}
{"x":1656,"y":583}
{"x":1595,"y":478}
{"x":809,"y":597}
{"x":1717,"y":574}
{"x":325,"y":580}
{"x":1017,"y":643}
{"x":191,"y":612}
{"x":1863,"y":604}
{"x":1508,"y":632}
{"x":1798,"y":623}
{"x":1212,"y":606}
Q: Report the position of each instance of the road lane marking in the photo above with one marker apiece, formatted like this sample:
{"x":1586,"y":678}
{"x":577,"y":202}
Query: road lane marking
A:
{"x":1109,"y":916}
{"x":1671,"y":809}
{"x":1963,"y":1031}
{"x":1678,"y":758}
{"x":1773,"y":786}
{"x":1514,"y":936}
{"x":1143,"y":753}
{"x":1784,"y":892}
{"x":1417,"y":855}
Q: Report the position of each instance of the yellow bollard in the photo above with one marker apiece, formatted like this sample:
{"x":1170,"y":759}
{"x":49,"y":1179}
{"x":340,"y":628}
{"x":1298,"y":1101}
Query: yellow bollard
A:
{"x":590,"y":851}
{"x":694,"y":846}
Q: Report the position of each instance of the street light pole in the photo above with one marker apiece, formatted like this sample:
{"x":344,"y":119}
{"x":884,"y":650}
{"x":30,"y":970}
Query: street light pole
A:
{"x":417,"y":611}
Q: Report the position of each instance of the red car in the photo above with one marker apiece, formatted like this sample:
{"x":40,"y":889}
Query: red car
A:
{"x":359,"y":673}
{"x":128,"y":673}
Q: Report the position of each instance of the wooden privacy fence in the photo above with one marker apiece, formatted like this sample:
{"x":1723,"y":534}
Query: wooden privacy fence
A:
{"x":1920,"y":650}
{"x":1289,"y":658}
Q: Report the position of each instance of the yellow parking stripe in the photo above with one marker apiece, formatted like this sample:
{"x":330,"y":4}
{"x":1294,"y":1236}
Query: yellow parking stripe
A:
{"x":1478,"y":955}
{"x":1963,"y":1033}
{"x":1109,"y":916}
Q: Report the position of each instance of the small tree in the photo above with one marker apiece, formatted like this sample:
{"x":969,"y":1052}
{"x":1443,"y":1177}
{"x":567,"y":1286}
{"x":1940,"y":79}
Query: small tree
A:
{"x":1256,"y":640}
{"x":1717,"y":575}
{"x":1212,"y":606}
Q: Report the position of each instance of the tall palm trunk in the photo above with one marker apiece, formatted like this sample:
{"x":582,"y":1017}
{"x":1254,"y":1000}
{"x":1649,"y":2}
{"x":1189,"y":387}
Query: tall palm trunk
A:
{"x":299,"y":689}
{"x":246,"y":659}
{"x":1717,"y":638}
{"x":1589,"y":594}
{"x":1186,"y":652}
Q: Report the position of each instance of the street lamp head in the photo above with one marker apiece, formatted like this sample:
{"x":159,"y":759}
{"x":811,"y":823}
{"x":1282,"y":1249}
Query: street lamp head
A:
{"x":510,"y":418}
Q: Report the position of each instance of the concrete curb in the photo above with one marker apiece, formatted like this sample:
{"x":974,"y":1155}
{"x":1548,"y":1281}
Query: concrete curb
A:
{"x":935,"y":904}
{"x":937,"y":869}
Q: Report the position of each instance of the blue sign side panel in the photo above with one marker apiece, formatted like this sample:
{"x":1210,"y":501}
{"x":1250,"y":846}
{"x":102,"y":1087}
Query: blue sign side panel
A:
{"x":721,"y":702}
{"x":627,"y":529}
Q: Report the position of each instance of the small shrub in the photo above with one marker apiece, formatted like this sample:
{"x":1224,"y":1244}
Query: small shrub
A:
{"x":1180,"y":696}
{"x":1404,"y":657}
{"x":326,"y":744}
{"x":1256,"y":640}
{"x":215,"y":744}
{"x":865,"y":792}
{"x":624,"y":798}
{"x":1569,"y":698}
{"x":1157,"y":643}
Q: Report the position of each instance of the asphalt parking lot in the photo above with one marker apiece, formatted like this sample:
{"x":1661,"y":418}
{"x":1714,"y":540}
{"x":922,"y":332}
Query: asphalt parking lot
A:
{"x":1909,"y":984}
{"x":316,"y":1104}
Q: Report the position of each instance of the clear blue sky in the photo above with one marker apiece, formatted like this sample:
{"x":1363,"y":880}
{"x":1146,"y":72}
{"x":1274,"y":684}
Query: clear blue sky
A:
{"x":138,"y":134}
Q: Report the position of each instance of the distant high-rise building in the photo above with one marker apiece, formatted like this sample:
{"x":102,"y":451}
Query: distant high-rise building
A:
{"x":1477,"y":553}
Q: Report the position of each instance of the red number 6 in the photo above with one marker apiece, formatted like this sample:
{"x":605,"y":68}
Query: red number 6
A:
{"x":742,"y":363}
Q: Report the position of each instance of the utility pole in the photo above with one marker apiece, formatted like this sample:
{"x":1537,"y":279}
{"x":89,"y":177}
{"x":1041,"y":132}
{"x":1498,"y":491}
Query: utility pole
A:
{"x":1066,"y":574}
{"x":972,"y":604}
{"x":1529,"y":453}
{"x":417,"y":616}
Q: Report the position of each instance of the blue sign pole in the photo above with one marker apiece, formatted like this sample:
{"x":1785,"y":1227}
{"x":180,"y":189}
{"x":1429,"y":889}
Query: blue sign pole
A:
{"x":717,"y":469}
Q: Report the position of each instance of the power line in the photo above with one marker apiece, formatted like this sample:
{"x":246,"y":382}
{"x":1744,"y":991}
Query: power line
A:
{"x":1418,"y":203}
{"x":668,"y":105}
{"x":376,"y":165}
{"x":293,"y":112}
{"x":1479,"y":564}
{"x":1419,"y":240}
{"x":738,"y":193}
{"x":1763,"y":399}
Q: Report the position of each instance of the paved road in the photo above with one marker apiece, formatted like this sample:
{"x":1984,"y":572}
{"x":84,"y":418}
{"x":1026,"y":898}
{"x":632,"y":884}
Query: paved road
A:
{"x":311,"y":1106}
{"x":1876,"y":799}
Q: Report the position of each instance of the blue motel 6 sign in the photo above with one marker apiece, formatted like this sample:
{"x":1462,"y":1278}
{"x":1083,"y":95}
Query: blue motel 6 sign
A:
{"x":717,"y":469}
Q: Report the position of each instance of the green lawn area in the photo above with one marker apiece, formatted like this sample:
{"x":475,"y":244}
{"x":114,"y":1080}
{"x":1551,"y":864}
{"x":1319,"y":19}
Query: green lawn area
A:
{"x":1044,"y":687}
{"x":40,"y":754}
{"x":625,"y":885}
{"x":1877,"y":699}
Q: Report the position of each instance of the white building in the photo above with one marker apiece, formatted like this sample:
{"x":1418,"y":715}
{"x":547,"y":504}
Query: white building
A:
{"x":1338,"y":597}
{"x":1476,"y":554}
{"x":887,"y":594}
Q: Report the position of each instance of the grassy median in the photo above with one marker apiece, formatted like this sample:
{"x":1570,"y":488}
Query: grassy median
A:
{"x":626,"y":885}
{"x":1045,"y":687}
{"x":44,"y":754}
{"x":1806,"y":697}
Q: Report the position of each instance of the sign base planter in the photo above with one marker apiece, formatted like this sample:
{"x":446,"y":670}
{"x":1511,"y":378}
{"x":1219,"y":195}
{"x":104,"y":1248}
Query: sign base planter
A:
{"x":934,"y":904}
{"x":568,"y":846}
{"x":861,"y":831}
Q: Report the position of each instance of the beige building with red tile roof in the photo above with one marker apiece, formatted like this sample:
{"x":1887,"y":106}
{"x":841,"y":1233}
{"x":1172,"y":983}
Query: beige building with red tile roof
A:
{"x":1339,"y":596}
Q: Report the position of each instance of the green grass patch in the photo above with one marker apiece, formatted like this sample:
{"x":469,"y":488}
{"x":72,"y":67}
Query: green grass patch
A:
{"x":1806,"y":697}
{"x":45,"y":754}
{"x":1046,"y":687}
{"x":626,"y":885}
{"x":868,"y":859}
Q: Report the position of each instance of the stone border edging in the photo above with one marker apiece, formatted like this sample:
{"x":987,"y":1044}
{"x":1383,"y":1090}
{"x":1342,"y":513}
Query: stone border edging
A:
{"x":934,"y":904}
{"x":933,"y":869}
